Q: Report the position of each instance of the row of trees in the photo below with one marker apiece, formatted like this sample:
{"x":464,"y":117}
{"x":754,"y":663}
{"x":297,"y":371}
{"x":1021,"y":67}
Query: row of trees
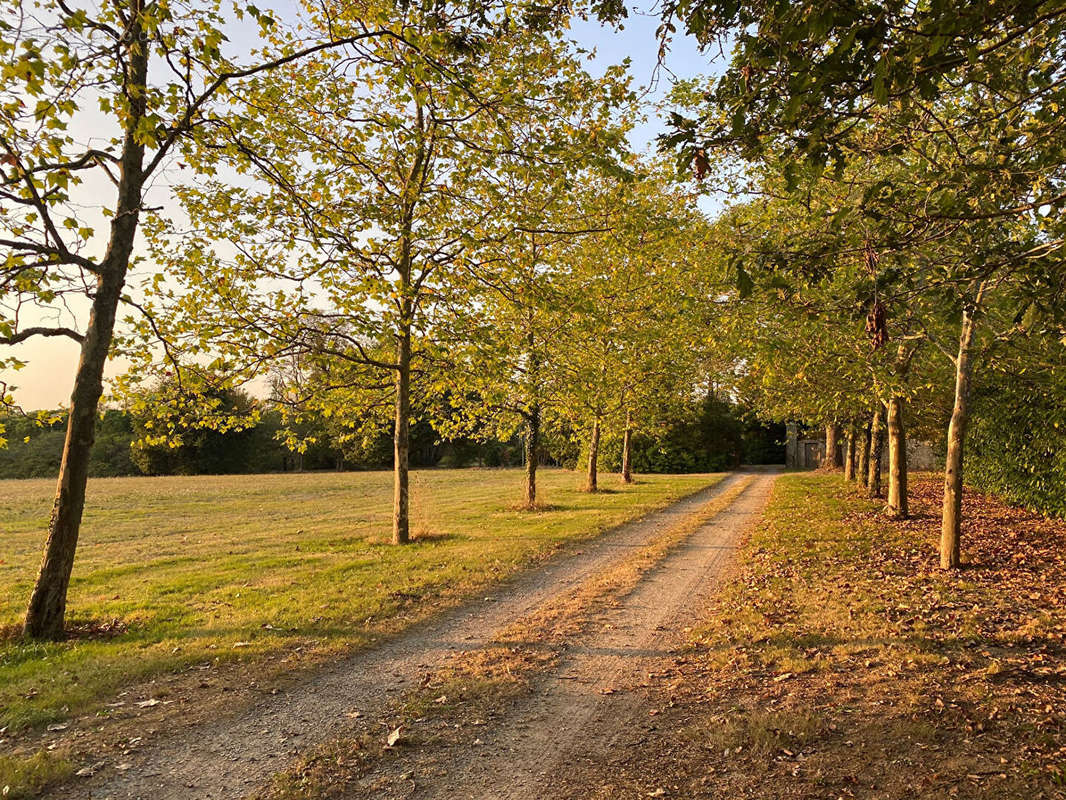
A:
{"x":387,"y":211}
{"x":393,"y":210}
{"x":900,"y":233}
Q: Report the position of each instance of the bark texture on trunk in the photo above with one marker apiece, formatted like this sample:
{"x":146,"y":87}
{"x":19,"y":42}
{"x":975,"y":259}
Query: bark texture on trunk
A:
{"x":897,"y":460}
{"x":849,"y":454}
{"x":863,"y":466}
{"x":532,"y":454}
{"x":832,"y":456}
{"x":627,"y":450}
{"x":401,"y":441}
{"x":877,"y":441}
{"x":951,"y":523}
{"x":46,"y":612}
{"x":594,"y":454}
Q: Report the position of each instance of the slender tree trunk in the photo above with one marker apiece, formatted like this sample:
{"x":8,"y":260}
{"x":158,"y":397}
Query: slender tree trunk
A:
{"x":406,"y":306}
{"x":849,"y":454}
{"x":46,"y":613}
{"x":402,"y":440}
{"x":532,"y":453}
{"x":862,"y":468}
{"x":951,"y":523}
{"x":832,"y":459}
{"x":897,"y":460}
{"x":594,"y":453}
{"x":533,"y":417}
{"x":877,"y":442}
{"x":627,"y":450}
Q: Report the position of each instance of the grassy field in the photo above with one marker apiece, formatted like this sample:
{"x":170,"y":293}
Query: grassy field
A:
{"x":175,"y":571}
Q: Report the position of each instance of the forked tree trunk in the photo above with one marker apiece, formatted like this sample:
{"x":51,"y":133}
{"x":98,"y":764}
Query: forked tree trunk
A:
{"x":532,"y":453}
{"x":897,"y":460}
{"x":877,"y":441}
{"x":45,"y":615}
{"x":627,"y":450}
{"x":951,"y":523}
{"x":832,"y":458}
{"x":401,"y":440}
{"x":594,"y":453}
{"x":862,"y":468}
{"x":849,"y":453}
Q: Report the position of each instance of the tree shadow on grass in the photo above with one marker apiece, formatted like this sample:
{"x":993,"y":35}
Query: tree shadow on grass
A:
{"x":80,"y":629}
{"x":537,"y":508}
{"x":429,"y":537}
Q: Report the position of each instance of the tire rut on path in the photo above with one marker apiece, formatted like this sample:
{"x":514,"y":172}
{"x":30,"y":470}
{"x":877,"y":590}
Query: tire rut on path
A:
{"x":593,"y":697}
{"x":232,"y":755}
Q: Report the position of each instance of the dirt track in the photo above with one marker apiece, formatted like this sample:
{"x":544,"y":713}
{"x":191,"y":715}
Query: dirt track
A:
{"x":573,"y":714}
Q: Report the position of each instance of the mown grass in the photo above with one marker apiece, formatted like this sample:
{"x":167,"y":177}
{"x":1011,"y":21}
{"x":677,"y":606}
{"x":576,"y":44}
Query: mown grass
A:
{"x":173,"y":572}
{"x":26,"y":776}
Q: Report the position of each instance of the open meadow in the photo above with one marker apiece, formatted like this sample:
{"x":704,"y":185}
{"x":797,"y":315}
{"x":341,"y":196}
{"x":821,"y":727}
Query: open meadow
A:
{"x":174,"y":571}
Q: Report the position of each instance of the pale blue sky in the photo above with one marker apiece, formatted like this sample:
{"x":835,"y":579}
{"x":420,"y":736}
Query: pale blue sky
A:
{"x":637,"y":41}
{"x":47,"y":380}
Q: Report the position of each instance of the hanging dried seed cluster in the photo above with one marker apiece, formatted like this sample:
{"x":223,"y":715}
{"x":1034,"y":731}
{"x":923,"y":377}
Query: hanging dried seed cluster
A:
{"x":875,"y":320}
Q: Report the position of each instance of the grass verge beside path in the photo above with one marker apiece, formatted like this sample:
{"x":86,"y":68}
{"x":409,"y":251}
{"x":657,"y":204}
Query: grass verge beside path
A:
{"x":478,"y":685}
{"x":181,"y":572}
{"x":840,"y":661}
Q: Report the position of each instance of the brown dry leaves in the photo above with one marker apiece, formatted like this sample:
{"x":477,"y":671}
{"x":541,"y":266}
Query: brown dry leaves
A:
{"x":840,"y":661}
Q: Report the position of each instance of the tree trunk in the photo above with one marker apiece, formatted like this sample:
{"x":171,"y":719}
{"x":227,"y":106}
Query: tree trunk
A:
{"x":849,"y":454}
{"x":627,"y":450}
{"x":45,"y":615}
{"x":47,"y":608}
{"x":862,"y":468}
{"x":897,"y":459}
{"x":594,"y":453}
{"x":832,"y":458}
{"x":877,"y":443}
{"x":951,"y":523}
{"x":532,"y":452}
{"x":402,"y":440}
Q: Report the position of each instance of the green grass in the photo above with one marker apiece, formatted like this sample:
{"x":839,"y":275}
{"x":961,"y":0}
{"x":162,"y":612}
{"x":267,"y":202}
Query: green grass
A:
{"x":244,"y":567}
{"x":26,"y":777}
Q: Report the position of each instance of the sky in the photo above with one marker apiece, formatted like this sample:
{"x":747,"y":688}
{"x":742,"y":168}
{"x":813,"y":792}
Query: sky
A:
{"x":46,"y":380}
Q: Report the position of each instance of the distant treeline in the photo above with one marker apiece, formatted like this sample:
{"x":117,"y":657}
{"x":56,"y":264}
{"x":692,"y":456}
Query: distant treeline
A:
{"x":708,"y":436}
